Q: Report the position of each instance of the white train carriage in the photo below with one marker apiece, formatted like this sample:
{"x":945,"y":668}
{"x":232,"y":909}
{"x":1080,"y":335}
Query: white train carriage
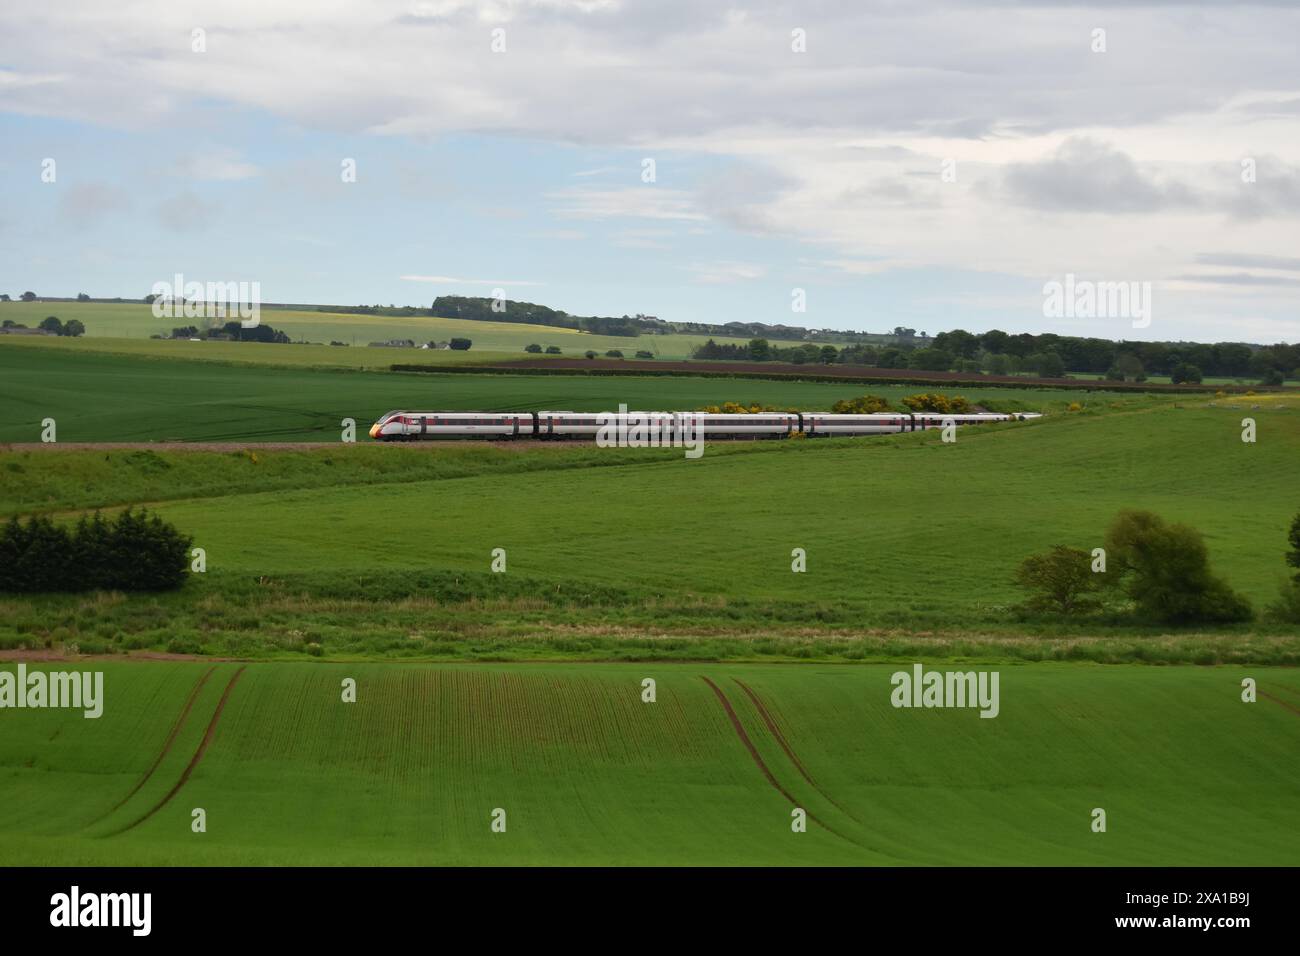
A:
{"x":553,"y":424}
{"x":882,"y":423}
{"x":761,"y":425}
{"x":414,"y":426}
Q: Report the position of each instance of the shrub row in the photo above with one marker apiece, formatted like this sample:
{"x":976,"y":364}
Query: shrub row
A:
{"x":136,"y":551}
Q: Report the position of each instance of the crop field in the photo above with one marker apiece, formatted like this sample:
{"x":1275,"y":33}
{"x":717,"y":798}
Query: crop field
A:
{"x":588,"y":773}
{"x":108,"y":397}
{"x":136,"y":321}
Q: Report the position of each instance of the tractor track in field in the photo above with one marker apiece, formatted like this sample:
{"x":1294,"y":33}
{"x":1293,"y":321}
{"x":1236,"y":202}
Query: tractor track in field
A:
{"x":194,"y":761}
{"x":775,"y":731}
{"x":763,"y":767}
{"x":167,"y":744}
{"x":1278,"y":700}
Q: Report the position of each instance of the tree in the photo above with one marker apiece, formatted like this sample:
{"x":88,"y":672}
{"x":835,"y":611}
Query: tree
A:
{"x":1062,"y":580}
{"x":930,"y":360}
{"x":29,"y":296}
{"x":51,"y":323}
{"x":1129,"y":367}
{"x":760,"y":350}
{"x":1185,"y":374}
{"x":74,"y":327}
{"x":35,"y":556}
{"x":82,"y":297}
{"x":4,"y":297}
{"x":1165,"y":570}
{"x":534,"y":348}
{"x":1050,"y":365}
{"x":590,"y":354}
{"x":999,"y":364}
{"x":613,"y":353}
{"x":460,"y":345}
{"x":552,"y":350}
{"x":1272,"y":377}
{"x":643,"y":354}
{"x":829,"y":354}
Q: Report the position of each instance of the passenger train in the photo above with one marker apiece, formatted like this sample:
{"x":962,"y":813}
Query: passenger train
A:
{"x":416,"y":426}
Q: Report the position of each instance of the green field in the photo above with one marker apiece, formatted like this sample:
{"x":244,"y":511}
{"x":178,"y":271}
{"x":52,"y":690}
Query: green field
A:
{"x":136,"y":321}
{"x":411,"y":773}
{"x":910,"y":542}
{"x":109,"y":397}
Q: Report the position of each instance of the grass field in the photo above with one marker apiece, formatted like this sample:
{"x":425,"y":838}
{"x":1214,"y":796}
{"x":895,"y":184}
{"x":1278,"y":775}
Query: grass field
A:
{"x":136,"y":321}
{"x":377,"y":550}
{"x":109,"y":397}
{"x":588,"y":774}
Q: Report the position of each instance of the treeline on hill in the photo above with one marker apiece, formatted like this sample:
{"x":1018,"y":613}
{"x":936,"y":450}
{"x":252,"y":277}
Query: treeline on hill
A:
{"x":228,"y":332}
{"x":51,"y":324}
{"x":1150,"y":570}
{"x":136,"y":551}
{"x":529,"y":313}
{"x":1047,"y":355}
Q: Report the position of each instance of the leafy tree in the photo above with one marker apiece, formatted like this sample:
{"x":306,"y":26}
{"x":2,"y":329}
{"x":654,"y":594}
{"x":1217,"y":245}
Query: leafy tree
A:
{"x":998,"y":364}
{"x":460,"y":345}
{"x":1164,"y":568}
{"x":643,"y":354}
{"x":34,"y":556}
{"x":1130,"y":367}
{"x":1272,"y":377}
{"x":829,"y":354}
{"x":51,"y":323}
{"x":553,"y":350}
{"x":534,"y":348}
{"x":590,"y":354}
{"x":1287,"y":606}
{"x":760,"y":350}
{"x":930,"y":360}
{"x":4,"y":297}
{"x":29,"y":296}
{"x":893,"y":358}
{"x":82,"y":297}
{"x":613,"y":353}
{"x":74,"y":328}
{"x":1050,"y":365}
{"x":1185,"y":374}
{"x":1062,"y":580}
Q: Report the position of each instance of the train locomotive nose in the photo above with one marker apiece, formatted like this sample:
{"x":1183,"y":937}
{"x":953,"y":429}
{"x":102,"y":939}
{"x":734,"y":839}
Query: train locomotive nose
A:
{"x":374,"y":430}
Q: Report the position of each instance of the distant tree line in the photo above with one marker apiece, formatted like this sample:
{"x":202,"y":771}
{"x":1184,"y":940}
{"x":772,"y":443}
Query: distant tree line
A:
{"x":1047,"y":355}
{"x":51,"y":323}
{"x":232,"y":331}
{"x":136,"y":551}
{"x":529,"y":313}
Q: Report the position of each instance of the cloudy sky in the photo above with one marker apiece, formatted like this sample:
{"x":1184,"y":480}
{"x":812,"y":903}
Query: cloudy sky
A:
{"x":931,"y":165}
